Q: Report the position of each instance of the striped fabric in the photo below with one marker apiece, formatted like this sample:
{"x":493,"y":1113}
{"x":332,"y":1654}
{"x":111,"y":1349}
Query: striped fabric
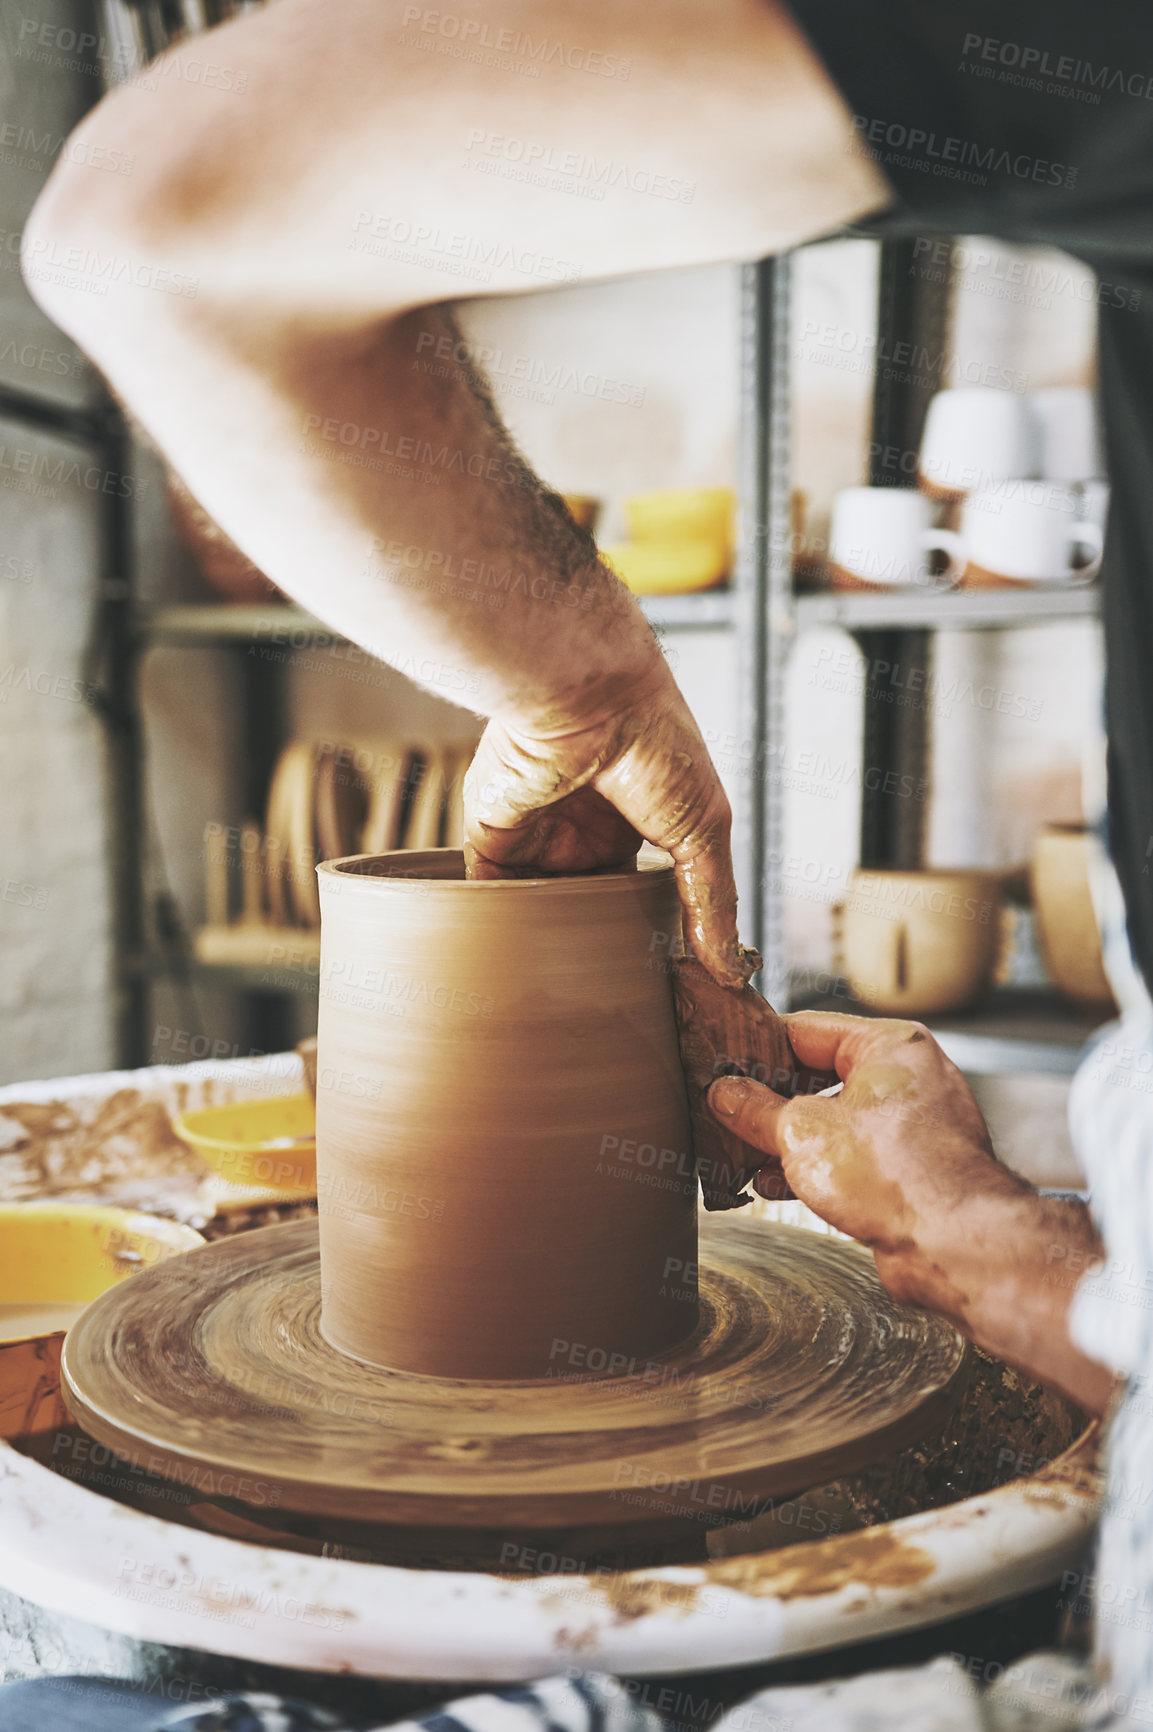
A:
{"x":1042,"y":1693}
{"x":574,"y":1702}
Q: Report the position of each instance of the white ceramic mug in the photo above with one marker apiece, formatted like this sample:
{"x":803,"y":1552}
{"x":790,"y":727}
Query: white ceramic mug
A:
{"x":975,"y":435}
{"x":884,"y":535}
{"x":1028,"y":532}
{"x":1068,"y":437}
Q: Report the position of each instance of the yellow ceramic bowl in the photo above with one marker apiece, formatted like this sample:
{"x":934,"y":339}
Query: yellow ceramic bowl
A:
{"x":56,"y":1257}
{"x":688,"y":513}
{"x":667,"y":567}
{"x":270,"y":1144}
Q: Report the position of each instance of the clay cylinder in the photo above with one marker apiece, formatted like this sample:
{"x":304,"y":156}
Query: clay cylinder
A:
{"x":504,"y":1167}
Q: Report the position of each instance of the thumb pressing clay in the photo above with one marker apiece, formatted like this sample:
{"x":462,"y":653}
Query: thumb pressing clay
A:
{"x":727,"y":1031}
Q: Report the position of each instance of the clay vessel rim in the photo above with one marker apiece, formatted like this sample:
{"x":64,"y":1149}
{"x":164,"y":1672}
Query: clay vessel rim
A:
{"x":413,"y":867}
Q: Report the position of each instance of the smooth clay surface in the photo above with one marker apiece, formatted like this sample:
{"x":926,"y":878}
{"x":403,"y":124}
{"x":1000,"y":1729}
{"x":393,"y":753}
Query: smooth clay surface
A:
{"x":504,"y":1158}
{"x":212,"y":1369}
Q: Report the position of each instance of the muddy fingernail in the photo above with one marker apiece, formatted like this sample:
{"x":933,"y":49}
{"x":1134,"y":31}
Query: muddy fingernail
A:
{"x":727,"y":1096}
{"x":749,"y":961}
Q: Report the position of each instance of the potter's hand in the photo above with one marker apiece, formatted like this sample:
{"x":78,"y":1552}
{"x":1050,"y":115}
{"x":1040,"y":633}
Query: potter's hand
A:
{"x":581,"y":795}
{"x":901,"y":1160}
{"x":887,"y":1158}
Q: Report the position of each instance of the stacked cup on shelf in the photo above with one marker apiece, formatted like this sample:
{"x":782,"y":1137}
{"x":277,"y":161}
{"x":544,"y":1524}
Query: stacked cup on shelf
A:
{"x":1009,"y":493}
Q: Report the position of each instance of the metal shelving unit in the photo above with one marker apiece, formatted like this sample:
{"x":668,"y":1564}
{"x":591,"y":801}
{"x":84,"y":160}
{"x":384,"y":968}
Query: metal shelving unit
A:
{"x":765,"y":579}
{"x":963,"y":610}
{"x":1012,"y":1030}
{"x":274,"y":622}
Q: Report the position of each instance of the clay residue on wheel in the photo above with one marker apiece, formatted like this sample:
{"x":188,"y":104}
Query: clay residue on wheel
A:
{"x":874,"y":1558}
{"x":1007,"y":1428}
{"x":871,"y":1559}
{"x":631,"y":1597}
{"x":119,"y":1151}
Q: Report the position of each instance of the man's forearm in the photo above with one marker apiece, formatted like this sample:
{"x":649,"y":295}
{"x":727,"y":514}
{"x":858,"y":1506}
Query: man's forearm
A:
{"x":466,"y":554}
{"x":288,"y":390}
{"x":388,"y":500}
{"x":1005,"y":1268}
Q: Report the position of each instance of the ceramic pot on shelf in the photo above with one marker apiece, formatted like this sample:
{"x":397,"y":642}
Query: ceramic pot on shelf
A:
{"x":915,"y":943}
{"x":1067,"y":930}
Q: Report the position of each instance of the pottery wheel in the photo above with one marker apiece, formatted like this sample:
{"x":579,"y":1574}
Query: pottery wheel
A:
{"x":211,"y":1369}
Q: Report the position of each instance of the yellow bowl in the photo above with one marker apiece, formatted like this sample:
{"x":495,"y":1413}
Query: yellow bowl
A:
{"x":688,"y":513}
{"x":56,"y":1257}
{"x":270,"y":1143}
{"x":667,"y":567}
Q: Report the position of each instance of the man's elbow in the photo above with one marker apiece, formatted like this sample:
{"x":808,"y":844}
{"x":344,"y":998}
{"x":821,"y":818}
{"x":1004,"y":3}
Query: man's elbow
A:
{"x":94,"y":256}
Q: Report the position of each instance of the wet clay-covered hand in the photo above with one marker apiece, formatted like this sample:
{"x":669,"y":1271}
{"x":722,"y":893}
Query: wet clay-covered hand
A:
{"x":902,"y":1161}
{"x":729,"y":1031}
{"x":884,"y":1160}
{"x":581,"y":796}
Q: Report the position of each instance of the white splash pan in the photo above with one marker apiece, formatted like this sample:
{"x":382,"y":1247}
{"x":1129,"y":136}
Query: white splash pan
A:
{"x":71,"y":1551}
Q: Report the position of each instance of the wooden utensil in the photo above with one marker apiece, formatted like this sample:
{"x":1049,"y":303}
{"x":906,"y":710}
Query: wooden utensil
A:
{"x":386,"y":803}
{"x":342,"y":800}
{"x":456,"y":768}
{"x":296,"y":773}
{"x":251,"y":876}
{"x":215,"y":875}
{"x":425,"y":818}
{"x":278,"y":843}
{"x":289,"y":825}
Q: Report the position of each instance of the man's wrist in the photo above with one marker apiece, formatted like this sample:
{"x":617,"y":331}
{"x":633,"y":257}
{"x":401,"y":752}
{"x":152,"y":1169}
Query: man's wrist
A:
{"x":965,"y":1249}
{"x":584,"y":696}
{"x":1004,"y":1266}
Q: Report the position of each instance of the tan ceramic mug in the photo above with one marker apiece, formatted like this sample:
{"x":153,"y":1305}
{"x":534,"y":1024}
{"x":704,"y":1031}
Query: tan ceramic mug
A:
{"x":1067,"y":931}
{"x":914,"y":943}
